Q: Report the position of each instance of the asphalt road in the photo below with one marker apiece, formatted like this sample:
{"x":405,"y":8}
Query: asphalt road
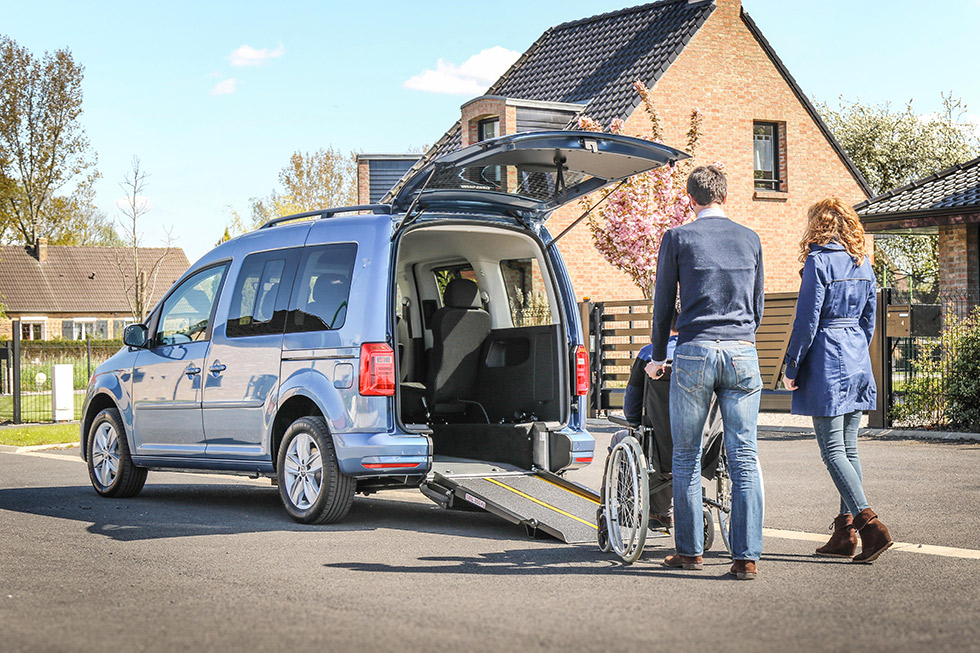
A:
{"x":213,"y":563}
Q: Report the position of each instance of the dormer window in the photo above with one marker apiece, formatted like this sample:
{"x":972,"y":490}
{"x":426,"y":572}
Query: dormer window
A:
{"x":487,"y":129}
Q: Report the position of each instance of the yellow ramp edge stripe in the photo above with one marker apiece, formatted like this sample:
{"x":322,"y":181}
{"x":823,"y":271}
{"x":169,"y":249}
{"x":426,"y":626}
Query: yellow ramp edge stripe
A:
{"x":570,"y":490}
{"x":539,"y":502}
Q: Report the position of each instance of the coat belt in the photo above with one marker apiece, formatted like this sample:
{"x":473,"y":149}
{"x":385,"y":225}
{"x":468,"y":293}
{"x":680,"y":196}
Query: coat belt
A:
{"x":839,"y":323}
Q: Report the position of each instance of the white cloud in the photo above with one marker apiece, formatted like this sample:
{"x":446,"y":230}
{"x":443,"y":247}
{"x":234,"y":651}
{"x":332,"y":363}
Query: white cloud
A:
{"x":227,"y":87}
{"x":471,"y":78}
{"x":249,"y":56}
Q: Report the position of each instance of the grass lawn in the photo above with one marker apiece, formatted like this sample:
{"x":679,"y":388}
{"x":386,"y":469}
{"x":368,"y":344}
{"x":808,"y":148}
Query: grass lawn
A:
{"x":30,"y":435}
{"x":35,"y":407}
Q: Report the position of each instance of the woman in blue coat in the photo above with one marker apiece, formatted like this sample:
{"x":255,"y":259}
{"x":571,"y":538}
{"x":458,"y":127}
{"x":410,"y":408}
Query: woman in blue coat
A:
{"x":828,"y":367}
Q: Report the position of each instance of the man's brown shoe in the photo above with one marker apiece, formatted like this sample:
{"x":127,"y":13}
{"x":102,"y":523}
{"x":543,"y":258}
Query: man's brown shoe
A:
{"x":743,"y":570}
{"x":677,"y":561}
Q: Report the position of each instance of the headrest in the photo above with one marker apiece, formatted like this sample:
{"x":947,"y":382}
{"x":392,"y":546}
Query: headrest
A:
{"x":460,"y":293}
{"x":329,"y":288}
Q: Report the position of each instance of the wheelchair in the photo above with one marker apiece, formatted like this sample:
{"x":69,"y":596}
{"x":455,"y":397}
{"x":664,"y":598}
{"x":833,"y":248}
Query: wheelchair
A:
{"x":640,"y":464}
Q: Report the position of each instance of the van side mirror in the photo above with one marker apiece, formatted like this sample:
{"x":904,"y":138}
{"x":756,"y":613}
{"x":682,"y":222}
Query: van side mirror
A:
{"x":136,"y":335}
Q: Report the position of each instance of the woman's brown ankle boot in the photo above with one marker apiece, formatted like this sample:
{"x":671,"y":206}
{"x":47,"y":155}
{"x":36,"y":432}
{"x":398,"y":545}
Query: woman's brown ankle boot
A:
{"x":843,"y":543}
{"x":875,"y":538}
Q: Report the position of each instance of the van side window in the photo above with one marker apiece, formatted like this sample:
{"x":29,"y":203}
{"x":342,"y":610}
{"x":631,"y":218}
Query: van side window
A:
{"x":527,"y":295}
{"x":258,"y":305}
{"x":186,"y":313}
{"x":320,"y":293}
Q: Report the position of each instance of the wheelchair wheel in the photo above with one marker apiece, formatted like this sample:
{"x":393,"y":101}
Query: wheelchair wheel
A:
{"x":625,"y":497}
{"x":709,"y":529}
{"x":723,"y":497}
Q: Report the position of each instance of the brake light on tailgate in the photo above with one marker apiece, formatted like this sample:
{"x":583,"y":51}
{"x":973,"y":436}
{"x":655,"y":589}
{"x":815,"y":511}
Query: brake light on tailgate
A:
{"x":581,"y":371}
{"x":377,"y":377}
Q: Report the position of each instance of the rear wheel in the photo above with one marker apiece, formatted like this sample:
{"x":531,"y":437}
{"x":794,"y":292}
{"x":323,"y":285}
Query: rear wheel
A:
{"x":723,"y":498}
{"x":626,"y":495}
{"x":709,"y":529}
{"x":110,"y":467}
{"x":311,"y":485}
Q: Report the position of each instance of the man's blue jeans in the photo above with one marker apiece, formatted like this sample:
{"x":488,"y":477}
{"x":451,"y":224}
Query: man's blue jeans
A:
{"x":729,"y":369}
{"x":838,"y":440}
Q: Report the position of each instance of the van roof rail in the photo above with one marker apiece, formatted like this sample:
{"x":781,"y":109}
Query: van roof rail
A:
{"x":383,"y":209}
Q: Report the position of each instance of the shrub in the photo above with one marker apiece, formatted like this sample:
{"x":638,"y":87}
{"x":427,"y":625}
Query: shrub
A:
{"x":963,"y":384}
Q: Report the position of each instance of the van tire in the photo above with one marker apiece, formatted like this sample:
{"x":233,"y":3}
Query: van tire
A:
{"x":311,"y":485}
{"x":110,"y":466}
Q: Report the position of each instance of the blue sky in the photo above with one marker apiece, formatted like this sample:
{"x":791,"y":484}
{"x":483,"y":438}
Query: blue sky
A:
{"x":213,"y":97}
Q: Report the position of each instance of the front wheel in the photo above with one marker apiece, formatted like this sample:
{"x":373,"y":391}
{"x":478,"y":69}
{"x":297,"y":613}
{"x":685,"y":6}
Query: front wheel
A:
{"x":110,"y":467}
{"x":311,"y":485}
{"x":626,"y":494}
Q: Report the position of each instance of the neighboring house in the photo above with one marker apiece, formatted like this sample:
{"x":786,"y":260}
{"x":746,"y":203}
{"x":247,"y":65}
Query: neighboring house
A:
{"x":779,"y":155}
{"x":60,"y":291}
{"x":946,"y":203}
{"x":377,"y":173}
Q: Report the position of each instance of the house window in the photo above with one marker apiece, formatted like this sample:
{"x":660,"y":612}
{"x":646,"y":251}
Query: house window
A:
{"x":765,"y":149}
{"x":487,"y":129}
{"x":32,"y":329}
{"x":83,"y":327}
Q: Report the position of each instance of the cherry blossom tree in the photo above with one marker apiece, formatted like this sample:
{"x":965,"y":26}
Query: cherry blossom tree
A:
{"x":628,"y":222}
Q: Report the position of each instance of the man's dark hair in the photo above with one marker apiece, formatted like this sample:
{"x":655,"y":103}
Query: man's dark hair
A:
{"x":707,"y":184}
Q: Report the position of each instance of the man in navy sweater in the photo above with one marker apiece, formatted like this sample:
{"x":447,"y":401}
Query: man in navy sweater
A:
{"x":718,"y":266}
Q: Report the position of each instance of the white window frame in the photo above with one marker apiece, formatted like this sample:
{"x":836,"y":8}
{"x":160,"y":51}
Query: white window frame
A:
{"x":88,"y":324}
{"x":35,"y":319}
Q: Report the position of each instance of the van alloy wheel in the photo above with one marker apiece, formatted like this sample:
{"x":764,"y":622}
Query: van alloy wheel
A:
{"x":311,"y":485}
{"x":105,"y":453}
{"x":110,"y":467}
{"x":303,"y":472}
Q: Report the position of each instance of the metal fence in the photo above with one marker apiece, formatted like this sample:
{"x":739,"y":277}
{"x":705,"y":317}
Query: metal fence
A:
{"x":26,"y":373}
{"x":921,"y":355}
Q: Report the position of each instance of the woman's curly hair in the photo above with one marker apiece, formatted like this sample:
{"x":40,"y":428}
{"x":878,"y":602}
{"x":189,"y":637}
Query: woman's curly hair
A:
{"x":833,"y":219}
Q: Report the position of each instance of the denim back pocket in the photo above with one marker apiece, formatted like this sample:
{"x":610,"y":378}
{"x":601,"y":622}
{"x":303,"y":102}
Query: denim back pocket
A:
{"x":689,"y":371}
{"x":747,"y":375}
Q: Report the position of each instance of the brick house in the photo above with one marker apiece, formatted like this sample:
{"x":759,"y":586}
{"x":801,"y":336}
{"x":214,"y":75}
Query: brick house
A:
{"x":948,"y":204}
{"x":72,"y":293}
{"x":377,"y":173}
{"x":779,"y":155}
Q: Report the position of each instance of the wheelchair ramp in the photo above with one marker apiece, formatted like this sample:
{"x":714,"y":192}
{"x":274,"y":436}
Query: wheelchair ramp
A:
{"x":540,"y":501}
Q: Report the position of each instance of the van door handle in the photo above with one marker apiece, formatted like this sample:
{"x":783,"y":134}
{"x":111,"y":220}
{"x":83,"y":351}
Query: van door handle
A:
{"x":217,"y":368}
{"x":191,"y":370}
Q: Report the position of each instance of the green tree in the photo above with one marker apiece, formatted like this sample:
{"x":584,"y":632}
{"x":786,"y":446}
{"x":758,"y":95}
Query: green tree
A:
{"x":44,"y":152}
{"x":317,"y":180}
{"x":893,"y":148}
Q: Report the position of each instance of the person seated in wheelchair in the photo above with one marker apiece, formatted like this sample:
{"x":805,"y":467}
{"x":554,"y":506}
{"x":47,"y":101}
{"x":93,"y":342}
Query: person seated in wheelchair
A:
{"x":646,"y":407}
{"x":633,"y":411}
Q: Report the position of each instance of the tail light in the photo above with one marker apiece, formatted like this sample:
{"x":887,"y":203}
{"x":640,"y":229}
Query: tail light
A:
{"x":581,"y":371}
{"x":377,"y":370}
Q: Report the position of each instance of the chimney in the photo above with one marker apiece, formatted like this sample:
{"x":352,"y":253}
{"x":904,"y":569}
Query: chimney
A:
{"x":41,"y":250}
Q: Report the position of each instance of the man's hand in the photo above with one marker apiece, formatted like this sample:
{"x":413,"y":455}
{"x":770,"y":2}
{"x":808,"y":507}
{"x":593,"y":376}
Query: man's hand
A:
{"x":654,"y":371}
{"x":789,"y":384}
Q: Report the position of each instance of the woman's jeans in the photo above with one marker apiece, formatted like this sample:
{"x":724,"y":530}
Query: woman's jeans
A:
{"x":837,"y":437}
{"x":729,"y":369}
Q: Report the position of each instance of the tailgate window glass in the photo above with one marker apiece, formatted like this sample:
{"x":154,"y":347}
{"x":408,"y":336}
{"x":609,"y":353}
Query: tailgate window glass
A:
{"x":527,"y":293}
{"x":322,"y":288}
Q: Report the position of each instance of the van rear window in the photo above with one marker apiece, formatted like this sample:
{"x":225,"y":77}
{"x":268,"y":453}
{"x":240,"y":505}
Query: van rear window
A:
{"x":322,"y":288}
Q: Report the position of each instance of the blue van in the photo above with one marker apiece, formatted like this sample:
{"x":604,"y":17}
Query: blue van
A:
{"x":432,"y":342}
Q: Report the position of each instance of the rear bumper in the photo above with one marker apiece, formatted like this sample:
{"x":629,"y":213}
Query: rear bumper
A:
{"x":382,"y":454}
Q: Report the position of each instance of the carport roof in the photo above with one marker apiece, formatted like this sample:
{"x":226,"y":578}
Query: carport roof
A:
{"x":948,"y":197}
